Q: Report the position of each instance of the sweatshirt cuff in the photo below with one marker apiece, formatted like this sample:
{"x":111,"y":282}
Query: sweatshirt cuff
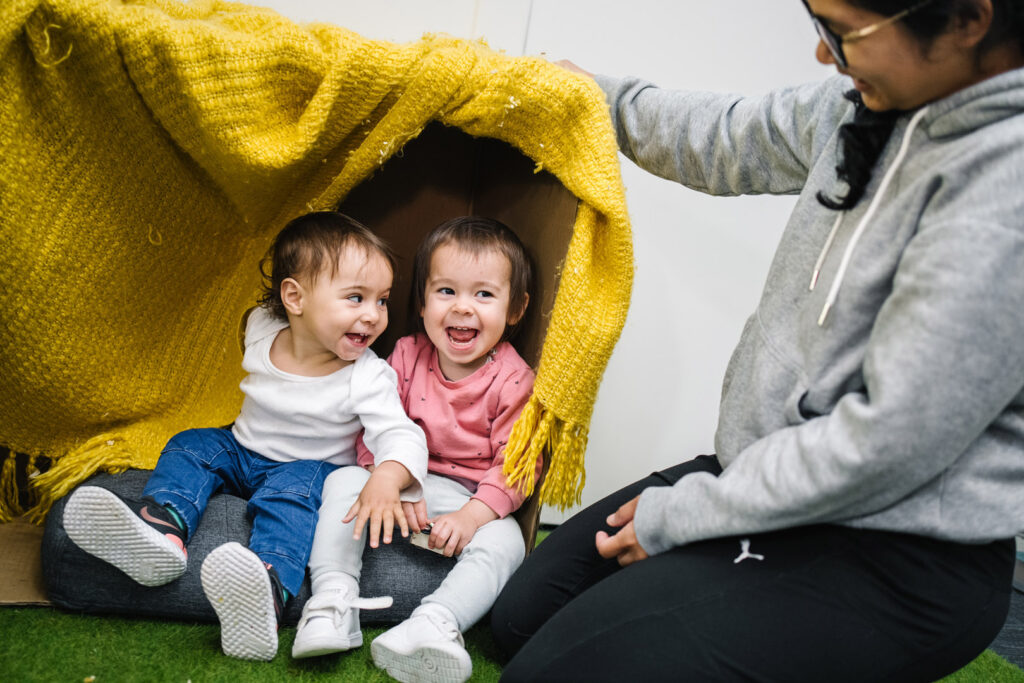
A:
{"x":496,"y":499}
{"x":648,"y":520}
{"x":607,"y":83}
{"x":417,"y":468}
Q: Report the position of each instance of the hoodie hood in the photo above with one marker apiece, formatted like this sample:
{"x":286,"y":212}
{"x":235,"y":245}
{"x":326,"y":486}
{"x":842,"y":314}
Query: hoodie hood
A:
{"x":977,"y":106}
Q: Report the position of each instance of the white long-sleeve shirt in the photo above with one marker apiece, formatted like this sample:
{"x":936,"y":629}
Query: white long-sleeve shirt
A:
{"x":289,"y":417}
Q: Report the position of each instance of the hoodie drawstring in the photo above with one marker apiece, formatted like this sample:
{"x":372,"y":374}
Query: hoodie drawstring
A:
{"x":824,"y":250}
{"x":833,"y":292}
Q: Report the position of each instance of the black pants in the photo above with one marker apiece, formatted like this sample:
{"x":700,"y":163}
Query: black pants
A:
{"x":826,"y":603}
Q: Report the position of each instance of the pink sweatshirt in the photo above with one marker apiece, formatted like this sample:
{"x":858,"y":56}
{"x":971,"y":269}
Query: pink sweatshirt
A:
{"x":466,"y":423}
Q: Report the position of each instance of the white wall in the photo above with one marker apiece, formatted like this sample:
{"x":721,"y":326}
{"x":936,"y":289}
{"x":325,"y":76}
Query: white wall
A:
{"x":701,"y":261}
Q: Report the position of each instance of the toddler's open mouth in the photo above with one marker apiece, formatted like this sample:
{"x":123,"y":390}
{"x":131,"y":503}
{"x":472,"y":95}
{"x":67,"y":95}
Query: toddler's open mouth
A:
{"x":461,"y":335}
{"x":357,"y":339}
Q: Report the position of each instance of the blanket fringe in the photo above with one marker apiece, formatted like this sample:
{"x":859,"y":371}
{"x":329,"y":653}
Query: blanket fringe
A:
{"x":10,"y":507}
{"x":108,"y":452}
{"x":537,"y":432}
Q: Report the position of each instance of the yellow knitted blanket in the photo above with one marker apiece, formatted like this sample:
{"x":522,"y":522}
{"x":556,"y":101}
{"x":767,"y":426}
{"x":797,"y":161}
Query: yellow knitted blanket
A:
{"x":148,"y":152}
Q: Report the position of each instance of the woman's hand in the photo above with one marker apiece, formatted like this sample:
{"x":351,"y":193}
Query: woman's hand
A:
{"x":454,"y":530}
{"x":623,"y":545}
{"x":566,"y":64}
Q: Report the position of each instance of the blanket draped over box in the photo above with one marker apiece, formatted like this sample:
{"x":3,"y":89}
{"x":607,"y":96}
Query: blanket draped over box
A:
{"x":149,"y":151}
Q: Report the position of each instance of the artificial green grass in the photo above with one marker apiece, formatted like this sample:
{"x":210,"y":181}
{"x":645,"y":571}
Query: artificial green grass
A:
{"x":43,"y":644}
{"x":987,"y":667}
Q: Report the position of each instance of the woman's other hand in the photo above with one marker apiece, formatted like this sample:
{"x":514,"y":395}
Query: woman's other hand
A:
{"x":623,"y":545}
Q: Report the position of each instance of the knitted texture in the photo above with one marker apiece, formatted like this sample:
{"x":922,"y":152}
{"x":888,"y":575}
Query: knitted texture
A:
{"x":150,"y":150}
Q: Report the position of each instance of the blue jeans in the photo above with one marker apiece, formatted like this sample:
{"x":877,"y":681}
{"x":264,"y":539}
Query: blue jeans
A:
{"x":284,"y":497}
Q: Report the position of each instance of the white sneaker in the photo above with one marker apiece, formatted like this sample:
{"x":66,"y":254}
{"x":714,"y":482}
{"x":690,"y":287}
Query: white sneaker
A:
{"x":136,"y":536}
{"x":330,"y":623}
{"x":423,"y":649}
{"x":239,"y":587}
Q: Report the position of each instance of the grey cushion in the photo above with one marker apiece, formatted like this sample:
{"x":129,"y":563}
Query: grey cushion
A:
{"x":78,"y":581}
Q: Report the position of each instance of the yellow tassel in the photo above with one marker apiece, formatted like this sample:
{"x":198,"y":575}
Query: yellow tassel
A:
{"x":525,"y":444}
{"x":106,"y":452}
{"x":563,"y":485}
{"x":539,"y":431}
{"x":9,"y":504}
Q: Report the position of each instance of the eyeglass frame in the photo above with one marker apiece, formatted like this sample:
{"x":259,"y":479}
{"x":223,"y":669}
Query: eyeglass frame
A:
{"x":834,"y":41}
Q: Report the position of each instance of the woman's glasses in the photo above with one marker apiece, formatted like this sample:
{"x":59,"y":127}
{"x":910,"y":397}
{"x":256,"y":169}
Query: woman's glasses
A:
{"x":834,"y":41}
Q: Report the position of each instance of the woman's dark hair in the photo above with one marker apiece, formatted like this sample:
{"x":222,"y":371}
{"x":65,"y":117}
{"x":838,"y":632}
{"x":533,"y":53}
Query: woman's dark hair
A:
{"x":862,"y":140}
{"x":310,"y":245}
{"x":474,"y":235}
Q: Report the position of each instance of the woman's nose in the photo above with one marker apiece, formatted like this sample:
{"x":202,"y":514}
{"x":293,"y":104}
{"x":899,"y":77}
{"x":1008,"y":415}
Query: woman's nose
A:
{"x":823,"y":54}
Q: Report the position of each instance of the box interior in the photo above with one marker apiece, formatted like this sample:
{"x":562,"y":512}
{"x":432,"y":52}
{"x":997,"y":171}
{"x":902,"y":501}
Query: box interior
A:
{"x":445,"y":173}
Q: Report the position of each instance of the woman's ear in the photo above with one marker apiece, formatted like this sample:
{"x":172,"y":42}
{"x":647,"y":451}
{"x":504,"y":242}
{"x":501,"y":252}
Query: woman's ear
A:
{"x":291,"y":296}
{"x":972,"y":30}
{"x":515,"y":317}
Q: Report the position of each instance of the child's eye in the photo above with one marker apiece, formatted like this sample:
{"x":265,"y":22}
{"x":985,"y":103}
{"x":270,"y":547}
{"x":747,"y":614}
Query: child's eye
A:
{"x":447,"y":291}
{"x":382,"y":302}
{"x":484,"y":294}
{"x":355,"y":298}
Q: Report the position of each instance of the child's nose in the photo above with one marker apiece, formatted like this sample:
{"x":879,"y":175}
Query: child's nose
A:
{"x":370,"y":313}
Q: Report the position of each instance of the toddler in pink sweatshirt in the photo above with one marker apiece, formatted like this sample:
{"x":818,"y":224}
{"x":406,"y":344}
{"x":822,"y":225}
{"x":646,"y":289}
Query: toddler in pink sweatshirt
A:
{"x":464,"y":384}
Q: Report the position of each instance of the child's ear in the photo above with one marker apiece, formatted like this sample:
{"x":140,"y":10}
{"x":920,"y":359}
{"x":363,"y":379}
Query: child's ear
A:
{"x":515,"y":317}
{"x":291,"y":296}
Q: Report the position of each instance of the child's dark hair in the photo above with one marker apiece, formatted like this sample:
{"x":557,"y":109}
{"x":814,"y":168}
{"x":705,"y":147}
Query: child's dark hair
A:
{"x":309,"y":245}
{"x":474,"y":235}
{"x":863,"y":139}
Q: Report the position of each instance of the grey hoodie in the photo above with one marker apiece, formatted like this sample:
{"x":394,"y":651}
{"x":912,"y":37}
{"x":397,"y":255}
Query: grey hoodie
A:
{"x":890,"y":394}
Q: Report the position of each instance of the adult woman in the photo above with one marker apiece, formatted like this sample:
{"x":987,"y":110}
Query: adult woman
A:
{"x":869,"y":472}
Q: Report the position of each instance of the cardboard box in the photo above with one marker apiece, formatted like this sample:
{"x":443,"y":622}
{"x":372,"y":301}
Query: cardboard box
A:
{"x":445,"y":173}
{"x":21,"y":573}
{"x":442,"y":174}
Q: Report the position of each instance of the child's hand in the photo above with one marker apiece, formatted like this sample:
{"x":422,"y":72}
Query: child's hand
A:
{"x":379,"y":503}
{"x":454,"y":530}
{"x":416,"y":514}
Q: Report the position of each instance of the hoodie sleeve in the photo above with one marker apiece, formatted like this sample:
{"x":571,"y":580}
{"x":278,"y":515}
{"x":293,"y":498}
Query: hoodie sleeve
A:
{"x":726,"y":144}
{"x":943,"y":369}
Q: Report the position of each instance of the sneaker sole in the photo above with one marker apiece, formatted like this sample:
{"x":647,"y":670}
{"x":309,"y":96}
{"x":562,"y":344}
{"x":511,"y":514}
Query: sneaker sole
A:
{"x":238,"y":587}
{"x":102,"y":525}
{"x":423,"y":665}
{"x":317,"y":647}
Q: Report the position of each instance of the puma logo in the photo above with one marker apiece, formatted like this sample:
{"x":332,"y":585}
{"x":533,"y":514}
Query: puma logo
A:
{"x":745,"y":552}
